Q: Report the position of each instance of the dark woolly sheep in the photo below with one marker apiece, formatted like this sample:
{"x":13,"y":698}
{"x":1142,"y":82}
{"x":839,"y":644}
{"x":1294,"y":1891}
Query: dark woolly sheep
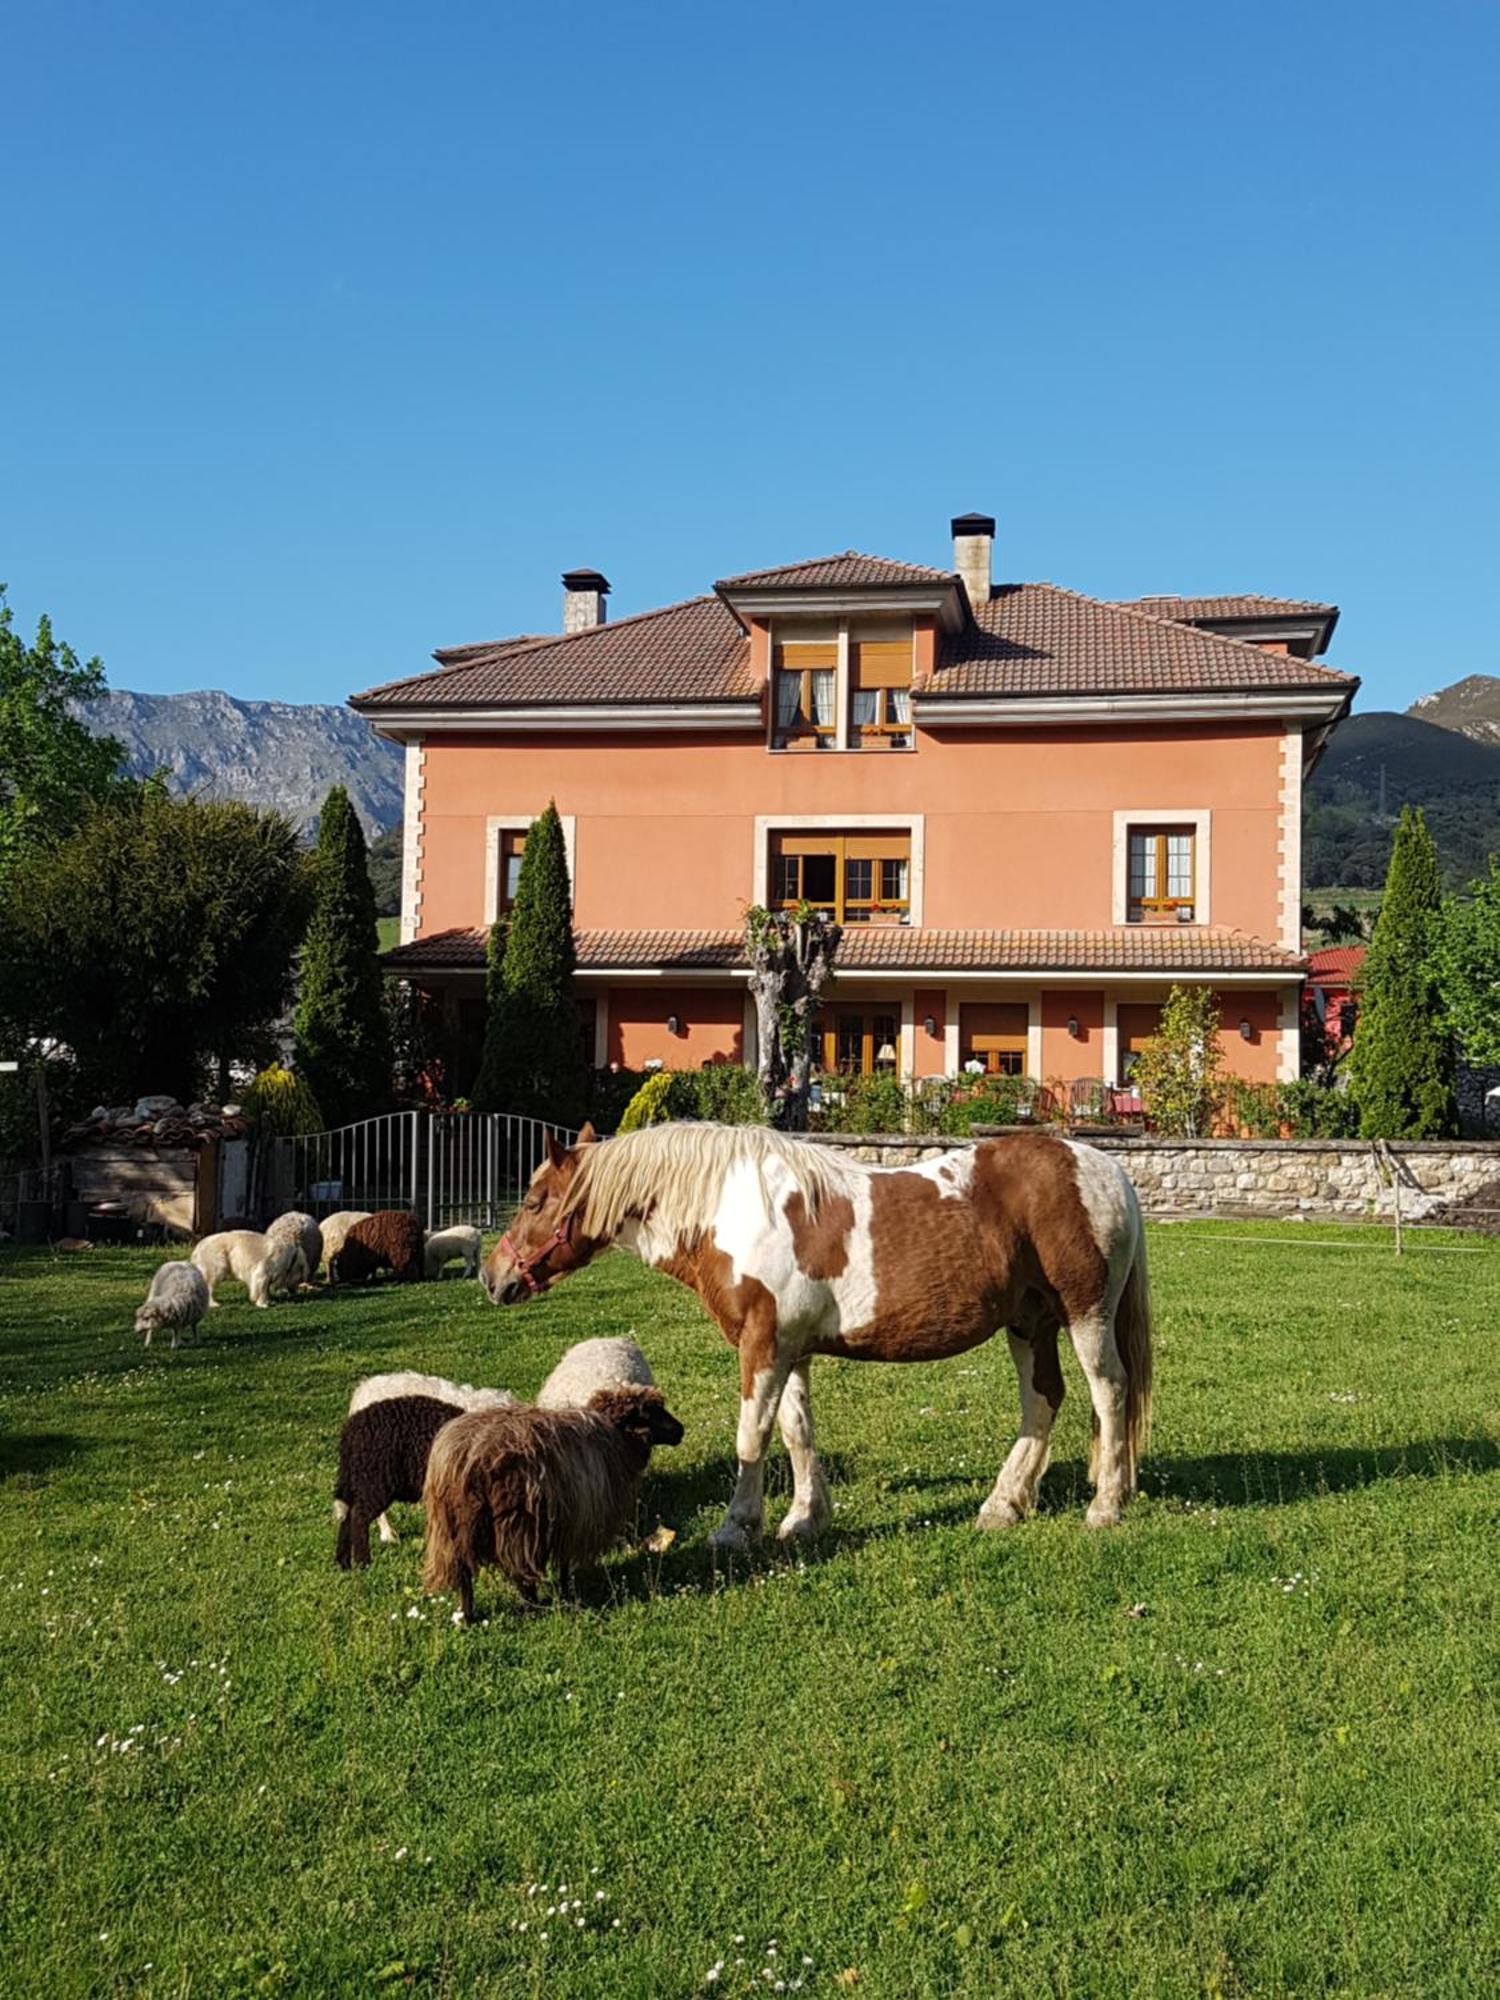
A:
{"x":528,"y":1490}
{"x":390,"y":1240}
{"x":383,"y":1453}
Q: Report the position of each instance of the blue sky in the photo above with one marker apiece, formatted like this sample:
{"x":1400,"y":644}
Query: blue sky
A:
{"x":335,"y":333}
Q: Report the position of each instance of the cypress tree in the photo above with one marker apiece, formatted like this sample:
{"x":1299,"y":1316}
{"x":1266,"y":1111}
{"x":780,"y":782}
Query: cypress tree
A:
{"x":533,"y":1053}
{"x":342,"y":1035}
{"x":1402,"y":1061}
{"x":490,"y":1084}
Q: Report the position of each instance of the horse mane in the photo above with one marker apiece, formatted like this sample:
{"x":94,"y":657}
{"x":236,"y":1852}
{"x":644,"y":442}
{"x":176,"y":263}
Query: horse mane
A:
{"x":676,"y":1173}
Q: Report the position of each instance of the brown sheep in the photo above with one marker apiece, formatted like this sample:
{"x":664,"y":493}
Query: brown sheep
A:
{"x":383,"y":1453}
{"x":390,"y":1240}
{"x":528,"y":1490}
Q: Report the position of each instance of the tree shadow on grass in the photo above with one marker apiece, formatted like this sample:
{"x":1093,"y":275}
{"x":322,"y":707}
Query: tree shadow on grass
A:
{"x":1222,"y":1480}
{"x":25,"y":1455}
{"x":1279,"y":1478}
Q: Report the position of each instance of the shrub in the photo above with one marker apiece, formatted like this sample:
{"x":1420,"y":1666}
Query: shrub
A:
{"x":610,"y":1092}
{"x":723,"y":1092}
{"x":1312,"y":1110}
{"x":876,"y":1103}
{"x":996,"y":1100}
{"x":651,"y":1104}
{"x":281,"y":1104}
{"x":1177,"y":1072}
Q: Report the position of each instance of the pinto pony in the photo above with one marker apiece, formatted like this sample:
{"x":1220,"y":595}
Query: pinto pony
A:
{"x":796,"y":1251}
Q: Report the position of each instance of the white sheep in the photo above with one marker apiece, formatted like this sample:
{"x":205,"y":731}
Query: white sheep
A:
{"x":592,"y":1365}
{"x":444,"y":1245}
{"x":334,"y":1228}
{"x":302,"y":1234}
{"x":233,"y":1253}
{"x":178,"y":1299}
{"x":407,"y":1382}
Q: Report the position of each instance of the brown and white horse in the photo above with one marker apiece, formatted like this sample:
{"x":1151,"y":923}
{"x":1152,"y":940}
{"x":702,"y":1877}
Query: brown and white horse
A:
{"x":796,"y":1251}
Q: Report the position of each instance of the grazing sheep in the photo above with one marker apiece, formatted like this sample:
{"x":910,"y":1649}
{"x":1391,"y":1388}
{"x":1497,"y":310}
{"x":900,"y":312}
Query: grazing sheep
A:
{"x":334,"y":1228}
{"x":383,"y":1388}
{"x":302,"y":1234}
{"x":592,"y":1365}
{"x":444,"y":1245}
{"x":389,"y":1240}
{"x":178,"y":1299}
{"x":528,"y":1490}
{"x":382,"y":1457}
{"x":233,"y":1253}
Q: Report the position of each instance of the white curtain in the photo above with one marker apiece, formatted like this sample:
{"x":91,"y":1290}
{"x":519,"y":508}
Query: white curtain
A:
{"x":822,"y":698}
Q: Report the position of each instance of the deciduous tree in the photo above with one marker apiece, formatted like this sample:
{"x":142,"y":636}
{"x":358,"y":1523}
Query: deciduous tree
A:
{"x":155,"y":940}
{"x":1466,"y":959}
{"x":51,"y":768}
{"x":1179,"y":1071}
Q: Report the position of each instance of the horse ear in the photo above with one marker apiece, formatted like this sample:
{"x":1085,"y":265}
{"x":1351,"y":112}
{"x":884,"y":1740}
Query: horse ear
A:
{"x":557,"y":1152}
{"x":587,"y":1135}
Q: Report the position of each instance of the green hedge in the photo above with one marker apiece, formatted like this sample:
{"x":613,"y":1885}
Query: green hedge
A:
{"x":724,"y":1093}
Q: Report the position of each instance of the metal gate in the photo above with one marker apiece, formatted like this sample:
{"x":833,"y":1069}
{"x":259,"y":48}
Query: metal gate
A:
{"x":450,"y":1166}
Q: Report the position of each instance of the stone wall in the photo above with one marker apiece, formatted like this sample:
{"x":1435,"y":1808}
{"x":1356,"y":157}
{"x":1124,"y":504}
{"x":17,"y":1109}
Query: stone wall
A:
{"x":1337,"y":1179}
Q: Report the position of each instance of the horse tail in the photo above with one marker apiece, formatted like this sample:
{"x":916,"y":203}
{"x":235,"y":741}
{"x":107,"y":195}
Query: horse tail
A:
{"x":1133,"y":1344}
{"x":1133,"y":1338}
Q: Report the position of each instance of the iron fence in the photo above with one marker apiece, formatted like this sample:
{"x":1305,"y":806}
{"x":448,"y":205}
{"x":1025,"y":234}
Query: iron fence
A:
{"x":449,"y":1166}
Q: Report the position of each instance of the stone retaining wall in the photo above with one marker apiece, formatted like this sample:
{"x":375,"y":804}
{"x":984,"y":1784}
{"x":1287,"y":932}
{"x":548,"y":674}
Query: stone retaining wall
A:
{"x":1338,"y":1179}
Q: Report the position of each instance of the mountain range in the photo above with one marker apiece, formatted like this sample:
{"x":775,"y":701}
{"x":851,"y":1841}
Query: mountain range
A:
{"x":266,"y":753}
{"x":1443,"y":754}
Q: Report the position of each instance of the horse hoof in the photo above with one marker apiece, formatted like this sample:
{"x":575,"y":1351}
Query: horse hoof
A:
{"x":800,"y":1528}
{"x":999,"y":1514}
{"x":731,"y":1535}
{"x":1102,"y":1514}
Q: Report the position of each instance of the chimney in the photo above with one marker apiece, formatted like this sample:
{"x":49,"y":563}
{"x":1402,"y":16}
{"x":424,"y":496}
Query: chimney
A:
{"x":973,"y":549}
{"x":584,"y":592}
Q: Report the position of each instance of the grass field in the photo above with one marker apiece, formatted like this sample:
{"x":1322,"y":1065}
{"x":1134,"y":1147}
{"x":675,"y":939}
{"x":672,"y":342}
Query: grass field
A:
{"x":1244,"y":1745}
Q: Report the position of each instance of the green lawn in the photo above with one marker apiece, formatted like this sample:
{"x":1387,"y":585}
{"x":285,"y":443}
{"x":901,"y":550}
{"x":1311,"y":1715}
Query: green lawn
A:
{"x":1245,"y":1745}
{"x":389,"y":929}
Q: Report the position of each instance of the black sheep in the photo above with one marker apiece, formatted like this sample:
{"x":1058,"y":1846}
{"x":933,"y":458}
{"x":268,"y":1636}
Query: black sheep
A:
{"x":383,"y":1452}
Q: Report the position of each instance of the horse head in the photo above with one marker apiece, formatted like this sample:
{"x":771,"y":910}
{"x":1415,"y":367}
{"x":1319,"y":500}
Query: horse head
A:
{"x":544,"y":1241}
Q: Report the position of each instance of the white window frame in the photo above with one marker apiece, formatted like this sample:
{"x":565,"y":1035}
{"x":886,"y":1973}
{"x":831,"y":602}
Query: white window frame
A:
{"x":911,"y":824}
{"x":499,"y":823}
{"x":1200,"y":819}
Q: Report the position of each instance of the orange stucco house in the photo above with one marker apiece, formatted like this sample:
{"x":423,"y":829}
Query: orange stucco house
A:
{"x":1032,"y":811}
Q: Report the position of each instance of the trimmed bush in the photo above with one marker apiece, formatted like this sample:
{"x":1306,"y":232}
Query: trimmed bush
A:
{"x":724,"y":1093}
{"x":281,"y":1104}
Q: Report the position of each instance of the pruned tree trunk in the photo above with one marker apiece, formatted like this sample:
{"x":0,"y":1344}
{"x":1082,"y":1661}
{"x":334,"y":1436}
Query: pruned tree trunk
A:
{"x":791,"y":961}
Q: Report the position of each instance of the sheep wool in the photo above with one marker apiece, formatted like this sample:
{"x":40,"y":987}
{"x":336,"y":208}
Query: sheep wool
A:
{"x":232,"y":1253}
{"x":407,"y":1382}
{"x":531,"y":1490}
{"x":334,"y":1228}
{"x":389,"y":1240}
{"x":302,"y":1233}
{"x":446,"y":1246}
{"x":383,"y":1451}
{"x":178,"y":1299}
{"x":592,"y":1365}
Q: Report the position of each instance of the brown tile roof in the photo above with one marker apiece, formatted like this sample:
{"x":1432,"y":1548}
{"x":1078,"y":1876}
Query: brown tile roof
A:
{"x":1249,"y":605}
{"x":1038,"y":639}
{"x":1029,"y":639}
{"x":687,"y":652}
{"x":849,"y":571}
{"x":896,"y":948}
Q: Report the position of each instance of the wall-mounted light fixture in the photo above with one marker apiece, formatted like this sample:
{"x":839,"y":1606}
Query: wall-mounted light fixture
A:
{"x":929,"y":1024}
{"x":1073,"y":1028}
{"x":674,"y":1025}
{"x":1246,"y":1031}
